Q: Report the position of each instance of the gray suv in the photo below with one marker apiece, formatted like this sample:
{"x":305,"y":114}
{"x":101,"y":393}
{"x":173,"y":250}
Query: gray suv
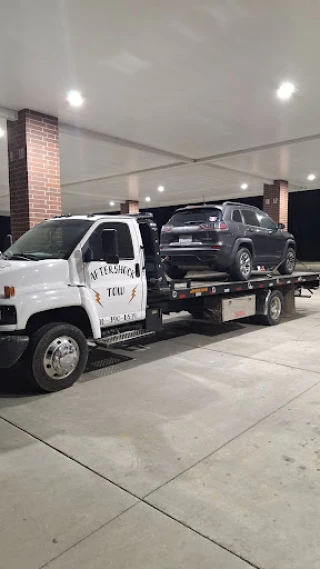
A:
{"x":232,"y":237}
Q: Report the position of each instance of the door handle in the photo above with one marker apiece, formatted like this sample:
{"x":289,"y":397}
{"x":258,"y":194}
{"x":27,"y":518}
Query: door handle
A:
{"x":137,"y":270}
{"x":250,"y":230}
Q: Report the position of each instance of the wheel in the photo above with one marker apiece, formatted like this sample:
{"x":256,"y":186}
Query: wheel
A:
{"x":274,"y":310}
{"x":57,"y":356}
{"x":288,"y":265}
{"x":241,"y":267}
{"x":174,"y":272}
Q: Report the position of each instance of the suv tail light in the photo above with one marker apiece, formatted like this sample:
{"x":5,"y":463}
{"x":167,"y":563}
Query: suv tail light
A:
{"x":217,"y":225}
{"x":166,"y":228}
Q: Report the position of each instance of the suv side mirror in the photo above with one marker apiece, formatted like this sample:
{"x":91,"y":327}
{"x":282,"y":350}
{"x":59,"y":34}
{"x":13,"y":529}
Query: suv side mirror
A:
{"x":110,"y":246}
{"x":281,"y":226}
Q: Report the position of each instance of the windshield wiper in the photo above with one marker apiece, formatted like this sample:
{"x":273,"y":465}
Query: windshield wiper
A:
{"x":23,"y":257}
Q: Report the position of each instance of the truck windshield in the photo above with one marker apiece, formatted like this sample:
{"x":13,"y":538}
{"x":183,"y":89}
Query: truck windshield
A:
{"x":52,"y":239}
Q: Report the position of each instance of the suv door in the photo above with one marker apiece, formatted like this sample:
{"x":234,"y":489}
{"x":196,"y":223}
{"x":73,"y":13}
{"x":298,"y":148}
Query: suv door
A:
{"x":273,"y":239}
{"x":116,"y":288}
{"x":253,"y":232}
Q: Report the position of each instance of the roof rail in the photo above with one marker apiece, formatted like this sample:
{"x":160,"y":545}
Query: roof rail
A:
{"x":241,"y":204}
{"x":142,"y":215}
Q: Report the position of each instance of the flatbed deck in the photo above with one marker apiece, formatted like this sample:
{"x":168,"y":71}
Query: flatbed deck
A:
{"x":190,"y":288}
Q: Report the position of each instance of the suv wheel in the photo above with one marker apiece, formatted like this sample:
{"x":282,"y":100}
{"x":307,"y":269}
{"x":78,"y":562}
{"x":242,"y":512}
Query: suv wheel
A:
{"x":174,"y":272}
{"x":288,"y":265}
{"x":241,"y":267}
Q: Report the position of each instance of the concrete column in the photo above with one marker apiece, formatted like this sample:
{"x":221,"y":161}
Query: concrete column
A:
{"x":34,"y":170}
{"x":129,"y":206}
{"x":276,"y":200}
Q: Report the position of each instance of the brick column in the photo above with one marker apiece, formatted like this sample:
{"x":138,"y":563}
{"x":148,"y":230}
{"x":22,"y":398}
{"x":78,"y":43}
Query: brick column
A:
{"x":34,"y":170}
{"x":276,"y":200}
{"x":130,"y":206}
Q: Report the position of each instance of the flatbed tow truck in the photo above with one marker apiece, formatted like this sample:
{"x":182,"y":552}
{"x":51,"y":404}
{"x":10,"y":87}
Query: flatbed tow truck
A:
{"x":74,"y":283}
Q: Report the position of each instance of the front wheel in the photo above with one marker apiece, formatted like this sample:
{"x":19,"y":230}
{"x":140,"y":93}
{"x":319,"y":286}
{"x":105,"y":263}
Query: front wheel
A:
{"x":242,"y":265}
{"x":288,"y":265}
{"x":57,"y":356}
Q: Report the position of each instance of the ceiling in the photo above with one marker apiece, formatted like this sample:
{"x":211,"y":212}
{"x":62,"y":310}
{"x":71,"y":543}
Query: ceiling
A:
{"x":178,"y":93}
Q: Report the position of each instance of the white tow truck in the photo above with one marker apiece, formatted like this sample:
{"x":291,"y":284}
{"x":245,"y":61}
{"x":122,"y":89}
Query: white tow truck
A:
{"x":76,"y":282}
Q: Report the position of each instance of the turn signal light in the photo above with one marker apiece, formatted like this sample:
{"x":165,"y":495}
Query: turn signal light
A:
{"x":9,"y":291}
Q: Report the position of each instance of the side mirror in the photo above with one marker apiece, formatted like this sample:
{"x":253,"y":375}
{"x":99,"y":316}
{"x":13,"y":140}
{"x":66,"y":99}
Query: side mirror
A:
{"x":110,"y":246}
{"x":281,"y":226}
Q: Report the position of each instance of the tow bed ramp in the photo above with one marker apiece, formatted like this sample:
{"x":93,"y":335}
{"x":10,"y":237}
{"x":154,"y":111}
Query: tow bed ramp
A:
{"x":196,"y":288}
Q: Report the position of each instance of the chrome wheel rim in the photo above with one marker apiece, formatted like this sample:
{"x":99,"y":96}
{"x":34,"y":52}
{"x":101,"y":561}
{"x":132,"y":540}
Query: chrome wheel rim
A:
{"x":275,"y":308}
{"x":61,"y":357}
{"x":290,"y":261}
{"x":245,"y":264}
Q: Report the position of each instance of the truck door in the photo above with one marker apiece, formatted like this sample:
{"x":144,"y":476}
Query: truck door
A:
{"x":116,"y":288}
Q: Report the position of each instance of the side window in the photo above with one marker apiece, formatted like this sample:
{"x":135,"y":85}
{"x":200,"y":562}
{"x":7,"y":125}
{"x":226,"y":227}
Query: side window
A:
{"x":124,"y":241}
{"x":236,"y":216}
{"x":266,"y":222}
{"x":250,"y":217}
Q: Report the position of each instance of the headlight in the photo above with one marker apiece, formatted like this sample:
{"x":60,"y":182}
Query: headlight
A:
{"x":8,"y":315}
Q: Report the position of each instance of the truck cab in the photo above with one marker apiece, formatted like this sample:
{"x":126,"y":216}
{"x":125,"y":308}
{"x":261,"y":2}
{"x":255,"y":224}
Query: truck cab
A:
{"x":71,"y":276}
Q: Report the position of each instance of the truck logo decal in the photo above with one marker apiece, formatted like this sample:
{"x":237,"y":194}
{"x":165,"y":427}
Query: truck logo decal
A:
{"x":133,"y":293}
{"x":106,"y":270}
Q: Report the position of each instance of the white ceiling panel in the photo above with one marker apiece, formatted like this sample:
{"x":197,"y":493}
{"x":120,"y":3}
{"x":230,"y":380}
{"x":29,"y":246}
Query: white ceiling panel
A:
{"x":85,"y":158}
{"x":186,"y":184}
{"x":293,"y":162}
{"x":192,"y":77}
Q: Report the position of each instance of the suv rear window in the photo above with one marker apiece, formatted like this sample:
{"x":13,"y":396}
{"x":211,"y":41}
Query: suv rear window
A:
{"x":194,"y":216}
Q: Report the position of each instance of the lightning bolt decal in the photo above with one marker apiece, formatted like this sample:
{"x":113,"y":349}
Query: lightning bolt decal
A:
{"x":133,"y":293}
{"x":98,"y":297}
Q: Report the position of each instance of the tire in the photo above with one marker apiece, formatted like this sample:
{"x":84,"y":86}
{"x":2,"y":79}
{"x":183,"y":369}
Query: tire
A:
{"x":288,"y":265}
{"x":274,"y":310}
{"x":241,"y":267}
{"x":57,"y":356}
{"x":174,"y":272}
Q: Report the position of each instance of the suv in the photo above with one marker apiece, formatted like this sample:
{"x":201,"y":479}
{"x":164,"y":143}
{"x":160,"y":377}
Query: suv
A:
{"x":232,"y":237}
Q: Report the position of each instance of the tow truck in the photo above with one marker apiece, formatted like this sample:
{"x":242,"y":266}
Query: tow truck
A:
{"x":74,"y":283}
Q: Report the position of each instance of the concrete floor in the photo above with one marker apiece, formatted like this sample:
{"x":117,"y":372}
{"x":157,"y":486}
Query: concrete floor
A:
{"x":199,"y":450}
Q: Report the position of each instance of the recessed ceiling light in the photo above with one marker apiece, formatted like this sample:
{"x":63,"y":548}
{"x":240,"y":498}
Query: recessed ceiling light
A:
{"x":160,"y":188}
{"x":75,"y":99}
{"x":112,"y":204}
{"x":2,"y":132}
{"x":311,"y":177}
{"x":244,"y":186}
{"x":147,"y":199}
{"x":286,"y":90}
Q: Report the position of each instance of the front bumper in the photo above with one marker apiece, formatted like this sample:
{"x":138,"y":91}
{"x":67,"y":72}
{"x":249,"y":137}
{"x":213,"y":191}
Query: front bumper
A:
{"x":11,"y":349}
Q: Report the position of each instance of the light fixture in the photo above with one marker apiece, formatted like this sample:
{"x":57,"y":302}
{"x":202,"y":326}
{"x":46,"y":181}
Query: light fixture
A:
{"x":244,"y":186}
{"x":112,"y":204}
{"x":311,"y":177}
{"x":160,"y":188}
{"x":75,"y":99}
{"x":286,"y":90}
{"x":2,"y":132}
{"x":147,"y":199}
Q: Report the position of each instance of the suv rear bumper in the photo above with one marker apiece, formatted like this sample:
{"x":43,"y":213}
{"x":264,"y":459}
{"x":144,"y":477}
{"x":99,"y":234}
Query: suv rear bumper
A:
{"x":11,"y":349}
{"x":192,"y":258}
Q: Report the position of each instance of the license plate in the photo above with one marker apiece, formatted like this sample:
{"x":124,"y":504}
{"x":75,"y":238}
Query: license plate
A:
{"x":185,"y":239}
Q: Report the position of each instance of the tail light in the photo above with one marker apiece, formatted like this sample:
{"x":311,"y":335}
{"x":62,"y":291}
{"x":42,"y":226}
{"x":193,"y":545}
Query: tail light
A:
{"x":216,"y":226}
{"x":166,"y":228}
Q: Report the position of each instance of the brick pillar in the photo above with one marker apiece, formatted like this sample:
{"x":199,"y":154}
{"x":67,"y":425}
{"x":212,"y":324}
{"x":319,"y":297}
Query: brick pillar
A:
{"x":34,"y":170}
{"x":130,"y":206}
{"x":276,"y":200}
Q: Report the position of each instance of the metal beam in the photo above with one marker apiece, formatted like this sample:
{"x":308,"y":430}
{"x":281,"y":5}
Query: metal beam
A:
{"x":124,"y":174}
{"x":269,"y":146}
{"x":93,"y":135}
{"x":8,"y":114}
